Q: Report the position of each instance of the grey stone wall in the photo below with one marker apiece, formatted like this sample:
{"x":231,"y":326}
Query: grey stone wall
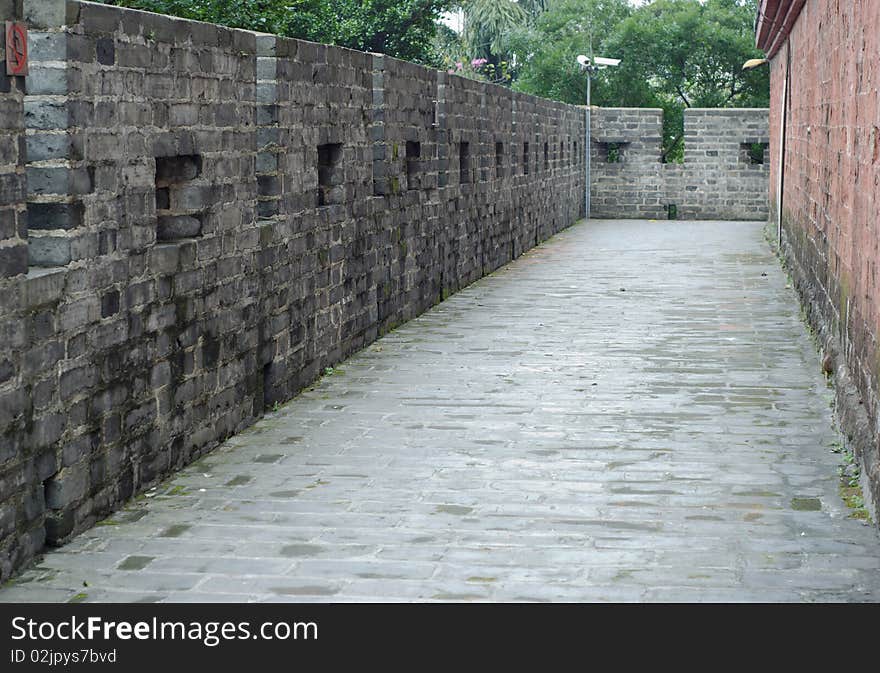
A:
{"x":215,"y":216}
{"x":719,"y":179}
{"x":20,"y":537}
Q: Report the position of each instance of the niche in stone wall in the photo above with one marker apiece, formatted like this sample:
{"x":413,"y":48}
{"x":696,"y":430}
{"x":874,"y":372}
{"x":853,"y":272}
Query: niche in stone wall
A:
{"x":499,"y":160}
{"x":464,"y":162}
{"x":331,"y":188}
{"x":611,"y":152}
{"x":753,"y":153}
{"x":180,"y":205}
{"x":526,"y":157}
{"x":546,"y":156}
{"x":413,"y":164}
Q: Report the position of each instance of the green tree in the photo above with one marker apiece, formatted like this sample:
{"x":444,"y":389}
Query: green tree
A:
{"x":481,"y":49}
{"x":695,"y":51}
{"x":487,"y":24}
{"x":545,"y":50}
{"x":691,"y":55}
{"x":401,"y":28}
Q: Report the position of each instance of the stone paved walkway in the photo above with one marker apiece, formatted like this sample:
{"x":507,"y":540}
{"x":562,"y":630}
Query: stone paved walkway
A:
{"x":632,"y":411}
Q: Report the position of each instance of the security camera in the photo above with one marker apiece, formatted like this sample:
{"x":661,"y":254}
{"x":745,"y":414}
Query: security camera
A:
{"x":597,"y":62}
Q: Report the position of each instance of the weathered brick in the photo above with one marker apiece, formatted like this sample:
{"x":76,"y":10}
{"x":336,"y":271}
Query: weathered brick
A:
{"x":45,"y":13}
{"x":43,"y":288}
{"x":76,"y":314}
{"x":13,"y":259}
{"x":78,"y":380}
{"x":42,"y":114}
{"x":12,"y":405}
{"x":12,"y":188}
{"x":46,"y":46}
{"x":42,"y":146}
{"x":47,"y":430}
{"x":67,"y":486}
{"x":49,"y":250}
{"x":46,"y":80}
{"x":55,"y":215}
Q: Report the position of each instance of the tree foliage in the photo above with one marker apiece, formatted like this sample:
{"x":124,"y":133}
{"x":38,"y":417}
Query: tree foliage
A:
{"x":487,"y":23}
{"x":545,"y":50}
{"x":401,"y":28}
{"x":694,"y":51}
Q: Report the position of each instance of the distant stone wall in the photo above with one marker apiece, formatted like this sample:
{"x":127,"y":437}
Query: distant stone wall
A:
{"x":719,"y":179}
{"x":215,"y":216}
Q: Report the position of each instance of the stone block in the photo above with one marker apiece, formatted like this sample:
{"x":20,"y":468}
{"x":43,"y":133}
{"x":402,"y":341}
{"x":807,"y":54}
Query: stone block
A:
{"x":46,"y":216}
{"x":47,"y":430}
{"x":58,"y":180}
{"x":45,"y":114}
{"x":105,"y":51}
{"x":42,"y":287}
{"x":48,"y":249}
{"x":191,"y":197}
{"x":171,"y":227}
{"x":67,"y":486}
{"x":43,"y":80}
{"x":77,"y":314}
{"x":97,"y":18}
{"x":267,"y":162}
{"x":44,"y":13}
{"x":12,"y":188}
{"x":78,"y":380}
{"x":13,"y":259}
{"x":267,"y":92}
{"x":43,"y":146}
{"x":46,"y":46}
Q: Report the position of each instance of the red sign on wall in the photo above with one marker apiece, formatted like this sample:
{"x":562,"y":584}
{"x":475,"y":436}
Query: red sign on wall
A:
{"x":16,"y":49}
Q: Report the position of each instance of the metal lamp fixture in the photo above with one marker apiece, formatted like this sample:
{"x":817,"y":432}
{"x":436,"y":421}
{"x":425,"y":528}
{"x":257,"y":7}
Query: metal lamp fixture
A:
{"x":753,"y":63}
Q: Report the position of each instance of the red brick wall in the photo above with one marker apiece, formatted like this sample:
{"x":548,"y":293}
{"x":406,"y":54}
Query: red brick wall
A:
{"x":830,"y":205}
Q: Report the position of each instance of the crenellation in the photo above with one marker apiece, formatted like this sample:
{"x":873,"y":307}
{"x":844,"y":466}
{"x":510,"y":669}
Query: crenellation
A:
{"x":716,"y":180}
